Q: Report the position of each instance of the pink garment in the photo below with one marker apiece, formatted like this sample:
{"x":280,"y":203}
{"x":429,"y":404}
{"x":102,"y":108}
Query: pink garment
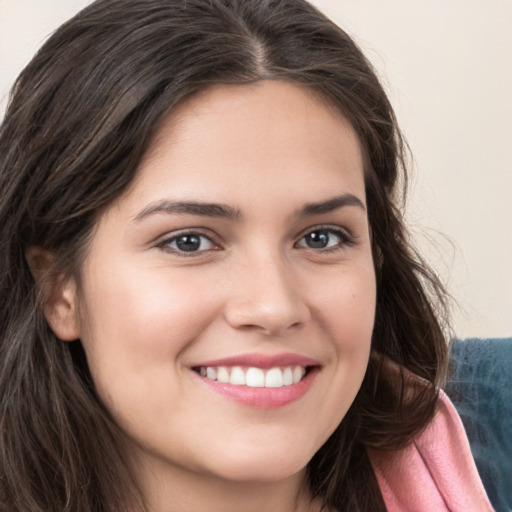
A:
{"x":435,"y":473}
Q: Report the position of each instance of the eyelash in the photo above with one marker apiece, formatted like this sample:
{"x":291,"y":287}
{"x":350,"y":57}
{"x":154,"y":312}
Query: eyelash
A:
{"x":344,"y":240}
{"x":165,"y":244}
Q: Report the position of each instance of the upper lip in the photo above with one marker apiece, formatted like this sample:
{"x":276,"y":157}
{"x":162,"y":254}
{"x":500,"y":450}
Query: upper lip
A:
{"x":263,"y":361}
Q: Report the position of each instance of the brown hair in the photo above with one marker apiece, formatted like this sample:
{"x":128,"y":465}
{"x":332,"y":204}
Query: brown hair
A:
{"x":80,"y":118}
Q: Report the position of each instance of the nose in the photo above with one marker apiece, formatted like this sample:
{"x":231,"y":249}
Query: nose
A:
{"x":266,"y":297}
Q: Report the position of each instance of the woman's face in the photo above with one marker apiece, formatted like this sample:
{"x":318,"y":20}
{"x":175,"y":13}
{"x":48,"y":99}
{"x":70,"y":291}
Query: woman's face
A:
{"x":240,"y":253}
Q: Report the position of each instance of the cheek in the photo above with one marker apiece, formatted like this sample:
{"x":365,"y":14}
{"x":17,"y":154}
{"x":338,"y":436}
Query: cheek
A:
{"x":136,"y":328}
{"x":135,"y":304}
{"x":347,"y":306}
{"x":347,"y":313}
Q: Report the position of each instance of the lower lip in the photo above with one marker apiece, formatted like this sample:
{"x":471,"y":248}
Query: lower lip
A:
{"x":263,"y":398}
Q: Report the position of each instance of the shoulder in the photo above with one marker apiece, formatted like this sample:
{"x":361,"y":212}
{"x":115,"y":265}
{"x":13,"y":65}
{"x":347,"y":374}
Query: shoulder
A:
{"x":434,"y":472}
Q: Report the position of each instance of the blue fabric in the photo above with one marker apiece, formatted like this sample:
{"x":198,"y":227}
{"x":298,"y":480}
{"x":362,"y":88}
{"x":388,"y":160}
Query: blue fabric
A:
{"x":481,"y":389}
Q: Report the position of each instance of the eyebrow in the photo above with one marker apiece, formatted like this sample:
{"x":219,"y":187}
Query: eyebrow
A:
{"x":190,"y":208}
{"x":228,"y":212}
{"x":330,"y":205}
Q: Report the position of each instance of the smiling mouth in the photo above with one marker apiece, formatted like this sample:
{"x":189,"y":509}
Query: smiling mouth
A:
{"x":254,"y":377}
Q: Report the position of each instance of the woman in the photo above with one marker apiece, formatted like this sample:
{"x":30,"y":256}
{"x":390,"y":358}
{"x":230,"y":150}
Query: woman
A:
{"x":209,"y":300}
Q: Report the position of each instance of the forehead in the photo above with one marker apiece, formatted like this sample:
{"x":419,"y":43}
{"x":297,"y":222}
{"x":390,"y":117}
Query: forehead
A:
{"x":234,"y":140}
{"x":270,"y":103}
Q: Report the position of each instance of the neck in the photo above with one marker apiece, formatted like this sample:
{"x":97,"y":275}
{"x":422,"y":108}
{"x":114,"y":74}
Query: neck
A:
{"x":167,"y":489}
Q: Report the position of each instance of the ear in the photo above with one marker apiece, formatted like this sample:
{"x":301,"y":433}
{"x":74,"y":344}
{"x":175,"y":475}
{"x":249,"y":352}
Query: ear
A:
{"x":58,"y":294}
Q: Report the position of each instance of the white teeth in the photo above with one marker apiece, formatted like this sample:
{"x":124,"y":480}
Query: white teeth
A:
{"x":255,"y":377}
{"x":237,"y":376}
{"x":298,"y":373}
{"x":222,"y":374}
{"x":274,"y":378}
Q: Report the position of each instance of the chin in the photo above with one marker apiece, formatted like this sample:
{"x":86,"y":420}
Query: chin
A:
{"x":262,"y":469}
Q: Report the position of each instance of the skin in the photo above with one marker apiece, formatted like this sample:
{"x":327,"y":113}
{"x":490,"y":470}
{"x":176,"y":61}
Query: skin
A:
{"x":147,"y":314}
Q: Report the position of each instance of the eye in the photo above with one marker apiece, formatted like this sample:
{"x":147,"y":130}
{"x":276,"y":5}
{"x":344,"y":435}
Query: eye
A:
{"x":325,"y":238}
{"x":189,"y":242}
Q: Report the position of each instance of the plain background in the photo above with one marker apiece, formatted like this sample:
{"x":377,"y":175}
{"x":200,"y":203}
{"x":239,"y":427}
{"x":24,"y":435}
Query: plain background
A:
{"x":447,"y":66}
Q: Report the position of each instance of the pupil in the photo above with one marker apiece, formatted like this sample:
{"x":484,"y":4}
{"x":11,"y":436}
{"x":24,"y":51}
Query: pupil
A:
{"x":188,"y":243}
{"x":318,"y":239}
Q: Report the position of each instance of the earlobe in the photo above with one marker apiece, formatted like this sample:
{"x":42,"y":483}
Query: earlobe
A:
{"x":59,"y":297}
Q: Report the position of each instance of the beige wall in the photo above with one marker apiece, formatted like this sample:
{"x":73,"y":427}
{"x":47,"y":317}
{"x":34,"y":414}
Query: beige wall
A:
{"x":447,"y":65}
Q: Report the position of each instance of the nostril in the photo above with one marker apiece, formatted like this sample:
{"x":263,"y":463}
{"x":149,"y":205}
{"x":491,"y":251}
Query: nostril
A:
{"x":250,"y":327}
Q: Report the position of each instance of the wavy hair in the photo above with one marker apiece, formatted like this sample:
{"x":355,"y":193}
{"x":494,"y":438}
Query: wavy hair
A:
{"x":79,"y":120}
